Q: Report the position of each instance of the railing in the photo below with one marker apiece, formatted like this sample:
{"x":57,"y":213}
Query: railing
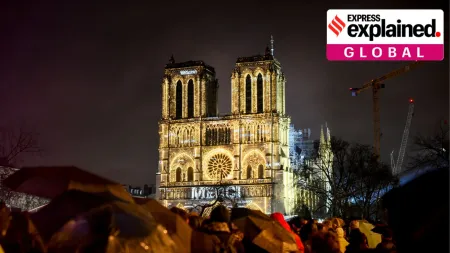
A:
{"x":211,"y":183}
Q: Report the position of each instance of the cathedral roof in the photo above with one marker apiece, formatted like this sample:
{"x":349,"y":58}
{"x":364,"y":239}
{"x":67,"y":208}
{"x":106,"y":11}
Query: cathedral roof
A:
{"x":188,"y":64}
{"x":266,"y":57}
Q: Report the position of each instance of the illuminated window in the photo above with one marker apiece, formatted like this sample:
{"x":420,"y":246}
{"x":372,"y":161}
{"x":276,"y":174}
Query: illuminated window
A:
{"x":260,"y":172}
{"x":219,"y":166}
{"x":179,"y":100}
{"x":178,"y":175}
{"x":190,"y":174}
{"x":190,"y":102}
{"x":248,"y":94}
{"x":259,"y":93}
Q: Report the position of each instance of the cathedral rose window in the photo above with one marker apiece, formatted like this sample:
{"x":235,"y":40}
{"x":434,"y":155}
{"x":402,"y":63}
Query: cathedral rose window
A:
{"x":219,"y":166}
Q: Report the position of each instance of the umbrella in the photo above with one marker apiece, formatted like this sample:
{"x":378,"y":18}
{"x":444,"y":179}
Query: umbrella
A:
{"x":65,"y":207}
{"x":263,"y":231}
{"x":116,"y":227}
{"x":373,"y":239}
{"x":178,"y":229}
{"x":240,"y":212}
{"x":49,"y":182}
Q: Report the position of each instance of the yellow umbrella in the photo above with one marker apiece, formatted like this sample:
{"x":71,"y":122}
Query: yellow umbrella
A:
{"x":373,"y":239}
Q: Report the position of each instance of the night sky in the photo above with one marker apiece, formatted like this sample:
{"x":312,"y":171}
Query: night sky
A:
{"x":87,"y":77}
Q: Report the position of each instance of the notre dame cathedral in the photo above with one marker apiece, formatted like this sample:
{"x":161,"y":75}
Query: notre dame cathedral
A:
{"x":249,"y":148}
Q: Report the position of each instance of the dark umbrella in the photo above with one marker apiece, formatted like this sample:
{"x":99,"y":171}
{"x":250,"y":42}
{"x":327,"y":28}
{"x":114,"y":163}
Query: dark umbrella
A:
{"x":49,"y":182}
{"x":65,"y":207}
{"x":178,"y":229}
{"x":241,"y":212}
{"x":115,"y":227}
{"x":263,"y":231}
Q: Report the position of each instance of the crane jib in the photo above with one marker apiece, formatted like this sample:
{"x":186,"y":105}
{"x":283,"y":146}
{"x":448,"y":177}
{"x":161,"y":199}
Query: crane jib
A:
{"x":388,"y":76}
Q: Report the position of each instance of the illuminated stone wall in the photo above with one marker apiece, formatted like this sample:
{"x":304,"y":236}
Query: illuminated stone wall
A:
{"x":249,"y":149}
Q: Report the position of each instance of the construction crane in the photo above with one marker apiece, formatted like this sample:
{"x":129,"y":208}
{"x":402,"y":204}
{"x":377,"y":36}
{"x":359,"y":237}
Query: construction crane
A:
{"x":397,"y":167}
{"x":376,"y":85}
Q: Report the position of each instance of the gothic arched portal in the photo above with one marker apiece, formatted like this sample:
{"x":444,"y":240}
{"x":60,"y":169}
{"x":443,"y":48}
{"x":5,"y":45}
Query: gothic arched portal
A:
{"x":179,"y":100}
{"x":259,"y":94}
{"x":248,"y":94}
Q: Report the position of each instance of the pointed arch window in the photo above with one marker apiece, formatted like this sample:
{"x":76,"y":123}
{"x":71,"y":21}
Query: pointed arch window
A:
{"x":179,"y":100}
{"x":259,"y":94}
{"x":178,"y":175}
{"x":249,"y":172}
{"x":248,"y":94}
{"x":260,"y":171}
{"x":190,"y":99}
{"x":190,"y":176}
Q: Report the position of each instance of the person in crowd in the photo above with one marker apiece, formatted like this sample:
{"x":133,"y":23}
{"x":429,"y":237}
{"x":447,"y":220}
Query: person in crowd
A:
{"x":319,"y":227}
{"x":307,"y":230}
{"x":341,"y":239}
{"x":195,"y":222}
{"x":324,"y":242}
{"x":20,"y":235}
{"x":5,"y":219}
{"x":280,"y":218}
{"x":354,"y":224}
{"x":387,"y":244}
{"x":182,"y":213}
{"x":326,"y":226}
{"x":357,"y":242}
{"x":219,"y":226}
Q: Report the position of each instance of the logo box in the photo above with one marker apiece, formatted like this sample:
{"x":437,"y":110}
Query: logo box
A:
{"x":385,"y":35}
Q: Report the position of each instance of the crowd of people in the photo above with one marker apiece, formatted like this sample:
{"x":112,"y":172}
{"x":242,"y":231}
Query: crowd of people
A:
{"x":90,"y":222}
{"x":329,"y":236}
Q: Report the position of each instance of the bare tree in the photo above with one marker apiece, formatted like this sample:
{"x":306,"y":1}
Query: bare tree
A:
{"x":327,"y":175}
{"x":15,"y":144}
{"x":371,"y":180}
{"x":430,"y":152}
{"x":345,"y":175}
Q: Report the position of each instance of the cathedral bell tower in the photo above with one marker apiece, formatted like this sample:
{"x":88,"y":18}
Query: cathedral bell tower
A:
{"x":258,"y":85}
{"x":189,"y":90}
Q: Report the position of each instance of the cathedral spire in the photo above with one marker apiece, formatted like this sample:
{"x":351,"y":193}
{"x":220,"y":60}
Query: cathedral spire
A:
{"x":328,"y":134}
{"x":322,"y":136}
{"x":171,"y":60}
{"x":271,"y":45}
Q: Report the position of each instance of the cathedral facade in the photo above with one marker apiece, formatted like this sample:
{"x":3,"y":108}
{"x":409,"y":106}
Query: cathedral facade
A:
{"x":247,"y":149}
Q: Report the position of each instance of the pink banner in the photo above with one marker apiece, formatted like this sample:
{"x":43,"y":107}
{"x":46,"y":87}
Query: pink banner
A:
{"x":385,"y":52}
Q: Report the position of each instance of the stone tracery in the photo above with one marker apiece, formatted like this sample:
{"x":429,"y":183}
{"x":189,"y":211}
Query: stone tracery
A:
{"x":218,"y":134}
{"x":253,"y":162}
{"x":181,"y":168}
{"x":219,"y":166}
{"x":182,"y":136}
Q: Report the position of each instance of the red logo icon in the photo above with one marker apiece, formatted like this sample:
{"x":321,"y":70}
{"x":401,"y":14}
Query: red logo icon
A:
{"x":336,"y":25}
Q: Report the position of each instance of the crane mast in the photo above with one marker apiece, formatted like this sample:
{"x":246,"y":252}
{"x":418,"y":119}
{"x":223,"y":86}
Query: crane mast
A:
{"x":397,"y":167}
